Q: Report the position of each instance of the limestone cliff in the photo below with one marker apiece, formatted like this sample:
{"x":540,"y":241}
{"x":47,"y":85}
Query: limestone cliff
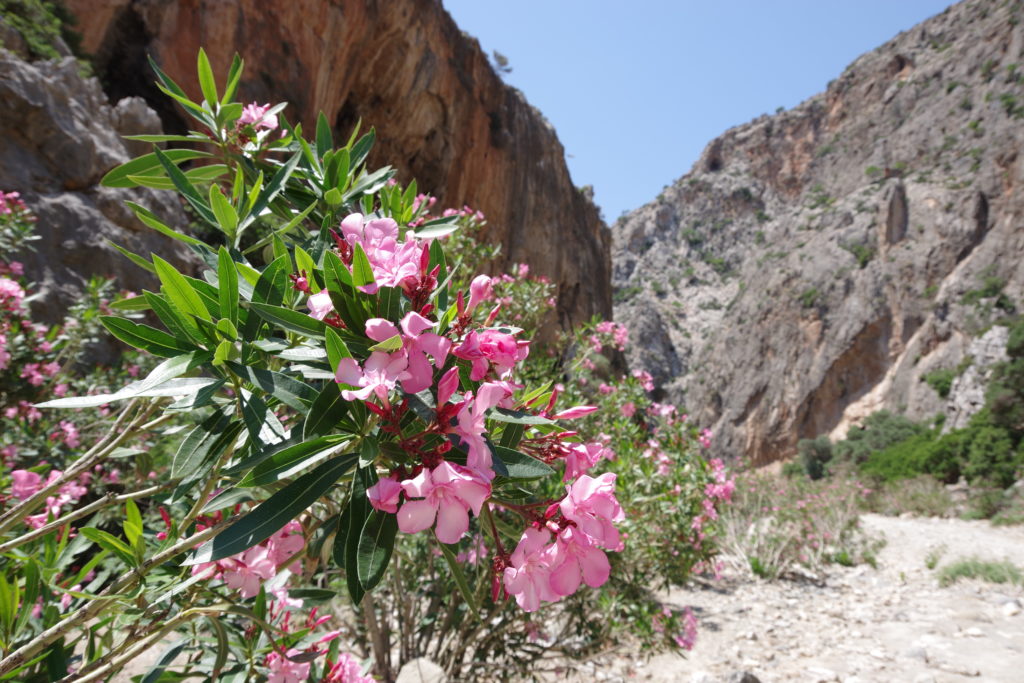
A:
{"x":816,"y":264}
{"x":58,"y":137}
{"x":443,"y":116}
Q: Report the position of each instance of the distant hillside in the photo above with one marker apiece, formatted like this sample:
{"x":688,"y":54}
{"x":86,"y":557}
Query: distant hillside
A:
{"x":819,"y":264}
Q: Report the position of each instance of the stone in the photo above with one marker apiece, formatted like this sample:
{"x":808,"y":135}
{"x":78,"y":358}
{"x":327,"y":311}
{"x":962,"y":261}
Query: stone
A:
{"x":421,"y":670}
{"x":1011,"y":608}
{"x":743,"y":677}
{"x":822,"y":675}
{"x":57,"y":140}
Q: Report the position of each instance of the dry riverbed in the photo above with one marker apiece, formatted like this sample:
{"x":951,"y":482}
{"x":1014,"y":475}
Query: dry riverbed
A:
{"x":893,"y":623}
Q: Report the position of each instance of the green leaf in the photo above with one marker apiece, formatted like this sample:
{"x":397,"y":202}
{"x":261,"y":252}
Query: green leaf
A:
{"x":186,"y":188}
{"x":167,"y":138}
{"x":290,"y":320}
{"x":392,"y":344}
{"x":155,"y":673}
{"x":518,"y":417}
{"x":226,"y":215}
{"x":336,"y":349}
{"x":520,"y":465}
{"x":227,"y":286}
{"x":134,"y":258}
{"x":146,"y":165}
{"x":262,"y":423}
{"x":362,"y":271}
{"x":234,"y":75}
{"x":271,"y":515}
{"x":287,"y":390}
{"x":359,"y":510}
{"x":324,"y":139}
{"x":110,"y":542}
{"x":327,"y":411}
{"x":272,"y":189}
{"x":438,"y":228}
{"x":179,"y":291}
{"x":150,"y":219}
{"x":287,"y":462}
{"x":333,"y":197}
{"x":145,"y":337}
{"x":132,"y":522}
{"x":206,"y":82}
{"x":376,"y":544}
{"x":304,"y":264}
{"x":135,"y":303}
{"x":200,"y":443}
{"x":460,"y":578}
{"x":362,"y":148}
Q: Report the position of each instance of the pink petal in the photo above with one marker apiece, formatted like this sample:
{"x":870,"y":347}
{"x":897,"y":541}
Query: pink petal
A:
{"x":414,"y":324}
{"x":416,"y":515}
{"x":566,"y":578}
{"x":349,"y":372}
{"x":452,"y":522}
{"x":447,"y":386}
{"x":596,"y":568}
{"x":436,"y":345}
{"x":420,"y":485}
{"x":379,"y":329}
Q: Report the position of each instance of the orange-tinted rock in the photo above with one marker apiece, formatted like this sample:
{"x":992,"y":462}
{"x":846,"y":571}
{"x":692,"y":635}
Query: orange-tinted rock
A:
{"x":442,"y":114}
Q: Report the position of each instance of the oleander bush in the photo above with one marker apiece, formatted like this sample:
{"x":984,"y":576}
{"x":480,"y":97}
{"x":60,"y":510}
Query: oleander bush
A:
{"x":334,"y":447}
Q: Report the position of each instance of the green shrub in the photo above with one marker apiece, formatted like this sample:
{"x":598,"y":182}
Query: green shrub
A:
{"x":941,"y":380}
{"x":879,"y":431}
{"x":976,"y":568}
{"x":809,"y":297}
{"x":991,"y":457}
{"x":41,"y":24}
{"x":815,"y":454}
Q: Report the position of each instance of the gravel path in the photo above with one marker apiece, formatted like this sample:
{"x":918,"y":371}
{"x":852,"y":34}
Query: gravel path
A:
{"x":893,"y":623}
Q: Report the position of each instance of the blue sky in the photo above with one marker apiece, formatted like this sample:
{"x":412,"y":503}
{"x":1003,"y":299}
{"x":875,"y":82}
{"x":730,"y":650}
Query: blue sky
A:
{"x":637,"y":89}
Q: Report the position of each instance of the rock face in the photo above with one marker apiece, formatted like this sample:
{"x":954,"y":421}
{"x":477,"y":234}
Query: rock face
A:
{"x":58,"y":137}
{"x":442,"y":114}
{"x":816,"y":264}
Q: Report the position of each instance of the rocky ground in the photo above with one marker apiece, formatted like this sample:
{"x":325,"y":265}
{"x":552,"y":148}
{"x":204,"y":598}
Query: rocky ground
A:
{"x":893,"y":623}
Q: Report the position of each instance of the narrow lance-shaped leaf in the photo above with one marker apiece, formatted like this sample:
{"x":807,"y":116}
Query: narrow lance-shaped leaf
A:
{"x":271,"y":515}
{"x":227,"y":286}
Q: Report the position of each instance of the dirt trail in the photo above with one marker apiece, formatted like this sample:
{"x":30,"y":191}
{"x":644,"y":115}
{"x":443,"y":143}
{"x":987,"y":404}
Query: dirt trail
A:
{"x":893,"y":623}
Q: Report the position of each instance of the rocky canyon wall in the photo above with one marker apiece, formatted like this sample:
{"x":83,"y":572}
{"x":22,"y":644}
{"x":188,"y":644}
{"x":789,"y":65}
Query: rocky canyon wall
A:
{"x":442,"y":114}
{"x":814,"y":266}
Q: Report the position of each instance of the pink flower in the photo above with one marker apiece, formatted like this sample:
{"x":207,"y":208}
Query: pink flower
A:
{"x":491,"y":347}
{"x":528,"y":576}
{"x":447,"y":493}
{"x":283,"y":545}
{"x":25,"y":484}
{"x":418,"y":345}
{"x":378,"y":376}
{"x":320,"y":305}
{"x":582,"y":456}
{"x":284,"y":670}
{"x":470,"y":425}
{"x":480,"y":290}
{"x":394,"y":264}
{"x":447,"y":385}
{"x":688,"y":638}
{"x":256,"y":116}
{"x":11,"y":294}
{"x":384,"y":494}
{"x":249,"y":568}
{"x":575,"y":557}
{"x":628,"y":409}
{"x":347,"y":670}
{"x":592,"y":505}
